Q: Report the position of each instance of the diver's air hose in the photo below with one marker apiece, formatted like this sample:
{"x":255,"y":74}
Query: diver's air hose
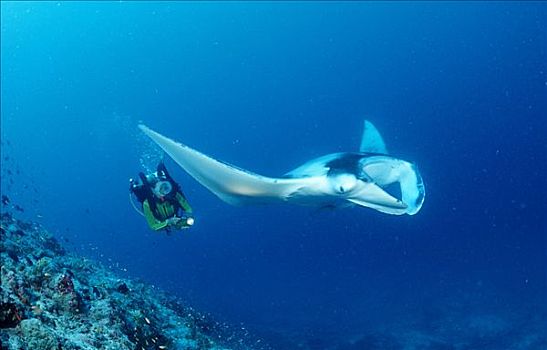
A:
{"x":133,"y":205}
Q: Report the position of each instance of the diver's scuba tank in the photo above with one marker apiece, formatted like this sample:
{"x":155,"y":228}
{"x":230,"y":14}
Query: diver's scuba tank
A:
{"x":132,"y":185}
{"x":138,"y":188}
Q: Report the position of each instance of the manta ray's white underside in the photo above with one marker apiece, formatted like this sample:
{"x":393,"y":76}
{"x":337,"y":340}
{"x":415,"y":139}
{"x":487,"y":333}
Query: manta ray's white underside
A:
{"x":319,"y":182}
{"x":231,"y":184}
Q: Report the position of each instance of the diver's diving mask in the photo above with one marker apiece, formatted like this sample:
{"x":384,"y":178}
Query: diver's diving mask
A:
{"x":162,"y":188}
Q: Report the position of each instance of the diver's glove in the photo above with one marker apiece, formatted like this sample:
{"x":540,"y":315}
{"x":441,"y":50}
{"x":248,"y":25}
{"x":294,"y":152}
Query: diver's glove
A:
{"x":174,"y":221}
{"x":185,"y":222}
{"x":180,"y":223}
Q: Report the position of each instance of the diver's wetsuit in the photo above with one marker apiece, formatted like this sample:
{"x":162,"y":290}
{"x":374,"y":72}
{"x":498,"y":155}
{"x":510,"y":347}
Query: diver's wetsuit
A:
{"x":164,"y":210}
{"x":159,"y":212}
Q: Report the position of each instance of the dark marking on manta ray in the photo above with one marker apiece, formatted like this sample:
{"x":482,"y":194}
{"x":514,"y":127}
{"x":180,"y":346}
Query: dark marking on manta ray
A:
{"x":349,"y":163}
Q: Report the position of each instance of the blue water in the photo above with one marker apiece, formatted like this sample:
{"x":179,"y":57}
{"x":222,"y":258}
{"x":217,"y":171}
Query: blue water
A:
{"x":458,"y":88}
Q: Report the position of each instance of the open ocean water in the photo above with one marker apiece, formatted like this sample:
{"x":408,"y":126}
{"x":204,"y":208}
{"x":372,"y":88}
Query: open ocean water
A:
{"x":460,"y":89}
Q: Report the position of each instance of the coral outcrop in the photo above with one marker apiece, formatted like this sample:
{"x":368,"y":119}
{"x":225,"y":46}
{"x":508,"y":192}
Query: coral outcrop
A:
{"x":53,"y":300}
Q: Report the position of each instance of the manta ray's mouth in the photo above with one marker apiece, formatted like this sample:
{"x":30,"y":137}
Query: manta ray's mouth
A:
{"x":398,"y":179}
{"x":394,"y":190}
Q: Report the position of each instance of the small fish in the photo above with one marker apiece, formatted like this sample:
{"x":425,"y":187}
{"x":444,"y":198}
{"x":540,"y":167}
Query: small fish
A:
{"x":5,"y":199}
{"x":147,"y":320}
{"x":18,"y":208}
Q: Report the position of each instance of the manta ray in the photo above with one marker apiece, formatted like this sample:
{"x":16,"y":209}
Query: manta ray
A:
{"x":368,"y":178}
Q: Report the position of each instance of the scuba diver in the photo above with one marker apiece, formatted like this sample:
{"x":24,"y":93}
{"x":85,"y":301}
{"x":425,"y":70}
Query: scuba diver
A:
{"x":162,"y":199}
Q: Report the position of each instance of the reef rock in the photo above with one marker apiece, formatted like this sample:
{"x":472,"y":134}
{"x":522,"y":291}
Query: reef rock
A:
{"x":53,"y":300}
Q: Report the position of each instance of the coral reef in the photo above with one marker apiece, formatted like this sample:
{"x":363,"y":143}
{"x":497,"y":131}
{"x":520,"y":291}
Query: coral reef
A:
{"x":50,"y":299}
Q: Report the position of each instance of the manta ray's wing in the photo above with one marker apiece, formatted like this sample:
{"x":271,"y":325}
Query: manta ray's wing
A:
{"x":231,"y":184}
{"x":372,"y":141}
